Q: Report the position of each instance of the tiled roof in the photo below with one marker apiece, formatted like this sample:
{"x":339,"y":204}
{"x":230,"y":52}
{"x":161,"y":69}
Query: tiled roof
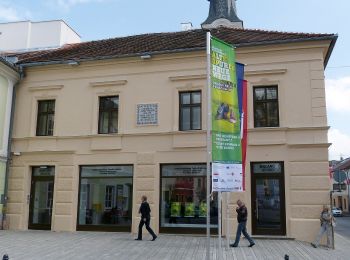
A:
{"x":163,"y":43}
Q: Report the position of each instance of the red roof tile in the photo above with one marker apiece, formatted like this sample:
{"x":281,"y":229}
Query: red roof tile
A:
{"x":164,"y":42}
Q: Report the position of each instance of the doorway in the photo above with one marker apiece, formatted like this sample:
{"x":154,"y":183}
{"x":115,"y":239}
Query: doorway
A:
{"x":268,"y":198}
{"x":41,"y":197}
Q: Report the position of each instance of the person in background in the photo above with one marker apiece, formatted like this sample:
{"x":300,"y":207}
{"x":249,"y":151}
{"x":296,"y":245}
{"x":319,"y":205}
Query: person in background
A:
{"x":242,"y":215}
{"x":326,"y":227}
{"x":145,"y":212}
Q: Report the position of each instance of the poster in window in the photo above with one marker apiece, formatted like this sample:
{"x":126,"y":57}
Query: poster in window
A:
{"x":189,"y":209}
{"x":175,"y":209}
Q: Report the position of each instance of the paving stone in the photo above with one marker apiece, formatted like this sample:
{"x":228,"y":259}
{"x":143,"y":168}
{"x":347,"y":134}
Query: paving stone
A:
{"x":29,"y":245}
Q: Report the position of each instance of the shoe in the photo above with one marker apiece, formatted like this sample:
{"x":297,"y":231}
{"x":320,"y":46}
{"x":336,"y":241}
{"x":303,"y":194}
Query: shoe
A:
{"x":154,"y":238}
{"x":138,"y":239}
{"x":251,"y":245}
{"x":313,"y":245}
{"x":233,"y":245}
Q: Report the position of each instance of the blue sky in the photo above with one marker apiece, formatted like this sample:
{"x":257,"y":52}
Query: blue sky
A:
{"x":99,"y":19}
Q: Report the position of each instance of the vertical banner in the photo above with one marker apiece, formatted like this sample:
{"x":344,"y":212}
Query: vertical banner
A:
{"x":242,"y":102}
{"x":227,"y":175}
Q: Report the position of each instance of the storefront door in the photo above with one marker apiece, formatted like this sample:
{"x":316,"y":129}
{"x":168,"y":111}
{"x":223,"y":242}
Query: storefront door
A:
{"x":268,"y":199}
{"x":41,"y":198}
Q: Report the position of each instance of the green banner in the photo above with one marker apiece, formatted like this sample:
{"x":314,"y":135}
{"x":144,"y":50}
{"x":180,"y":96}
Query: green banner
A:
{"x":226,"y":130}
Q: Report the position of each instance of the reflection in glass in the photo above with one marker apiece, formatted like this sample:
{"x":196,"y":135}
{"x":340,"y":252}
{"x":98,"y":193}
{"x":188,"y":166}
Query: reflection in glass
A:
{"x":105,"y":195}
{"x":268,"y":203}
{"x":185,"y":98}
{"x":196,"y":117}
{"x":183,"y":198}
{"x":42,"y":202}
{"x":185,"y":117}
{"x":259,"y":93}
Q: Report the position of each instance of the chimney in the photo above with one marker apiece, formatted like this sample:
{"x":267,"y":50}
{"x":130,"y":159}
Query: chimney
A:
{"x":222,"y":13}
{"x":186,"y":26}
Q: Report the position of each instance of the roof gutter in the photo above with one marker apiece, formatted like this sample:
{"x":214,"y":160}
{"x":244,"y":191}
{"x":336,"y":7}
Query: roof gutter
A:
{"x":330,"y":50}
{"x":9,"y":156}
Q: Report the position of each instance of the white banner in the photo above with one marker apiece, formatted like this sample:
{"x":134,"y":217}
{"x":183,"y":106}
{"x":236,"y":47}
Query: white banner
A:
{"x":227,"y":177}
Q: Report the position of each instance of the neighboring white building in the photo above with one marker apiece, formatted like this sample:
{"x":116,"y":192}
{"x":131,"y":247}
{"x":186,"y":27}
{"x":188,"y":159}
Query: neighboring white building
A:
{"x":26,"y":35}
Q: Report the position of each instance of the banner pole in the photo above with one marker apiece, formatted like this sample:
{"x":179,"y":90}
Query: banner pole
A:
{"x":227,"y":221}
{"x":208,"y":142}
{"x":220,"y":224}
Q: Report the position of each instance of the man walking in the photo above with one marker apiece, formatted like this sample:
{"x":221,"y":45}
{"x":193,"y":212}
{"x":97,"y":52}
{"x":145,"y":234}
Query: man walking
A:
{"x":242,"y":214}
{"x":145,"y":212}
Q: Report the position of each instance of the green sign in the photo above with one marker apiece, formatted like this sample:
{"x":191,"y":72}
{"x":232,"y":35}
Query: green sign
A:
{"x":226,"y":129}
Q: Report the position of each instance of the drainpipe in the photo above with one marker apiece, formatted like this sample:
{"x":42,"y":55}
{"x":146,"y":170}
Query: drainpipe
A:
{"x":9,"y":156}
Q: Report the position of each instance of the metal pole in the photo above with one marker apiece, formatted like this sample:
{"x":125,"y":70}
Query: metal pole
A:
{"x":220,"y":224}
{"x":331,"y":200}
{"x":348,"y":186}
{"x":208,"y":144}
{"x":227,"y":221}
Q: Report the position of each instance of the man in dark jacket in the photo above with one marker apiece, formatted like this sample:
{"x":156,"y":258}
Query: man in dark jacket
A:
{"x":242,"y":215}
{"x":145,"y":212}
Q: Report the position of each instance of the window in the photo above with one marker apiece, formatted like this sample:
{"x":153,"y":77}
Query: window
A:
{"x":190,"y":111}
{"x":183,"y":198}
{"x":105,"y":200}
{"x":108,"y":115}
{"x":46,"y":117}
{"x":266,"y":107}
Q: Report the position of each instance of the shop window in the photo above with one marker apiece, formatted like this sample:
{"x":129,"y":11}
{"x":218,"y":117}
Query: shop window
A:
{"x":105,"y":198}
{"x":183,"y":197}
{"x":190,"y":111}
{"x":45,"y":118}
{"x":108,"y":115}
{"x":266,"y":107}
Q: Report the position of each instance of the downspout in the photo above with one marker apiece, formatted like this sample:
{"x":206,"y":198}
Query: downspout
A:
{"x":9,"y":155}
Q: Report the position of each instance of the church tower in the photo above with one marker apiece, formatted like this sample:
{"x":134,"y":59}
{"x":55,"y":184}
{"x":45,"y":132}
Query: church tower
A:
{"x":222,"y":13}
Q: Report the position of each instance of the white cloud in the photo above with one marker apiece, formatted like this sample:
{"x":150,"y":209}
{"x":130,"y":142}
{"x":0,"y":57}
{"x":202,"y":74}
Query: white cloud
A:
{"x":67,"y":4}
{"x":9,"y":14}
{"x":340,"y":144}
{"x":338,"y":94}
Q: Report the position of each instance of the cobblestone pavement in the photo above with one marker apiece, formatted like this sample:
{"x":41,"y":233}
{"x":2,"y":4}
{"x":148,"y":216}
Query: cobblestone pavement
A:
{"x":98,"y":245}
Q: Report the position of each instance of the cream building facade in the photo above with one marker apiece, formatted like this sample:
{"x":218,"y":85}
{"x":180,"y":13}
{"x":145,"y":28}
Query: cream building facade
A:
{"x":69,"y":174}
{"x":8,"y":78}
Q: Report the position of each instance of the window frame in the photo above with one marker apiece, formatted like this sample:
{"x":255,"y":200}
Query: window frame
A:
{"x":265,"y":101}
{"x":46,"y":114}
{"x":191,"y":106}
{"x":110,"y":111}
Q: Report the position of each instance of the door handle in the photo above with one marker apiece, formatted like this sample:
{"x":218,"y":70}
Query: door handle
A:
{"x":28,"y":199}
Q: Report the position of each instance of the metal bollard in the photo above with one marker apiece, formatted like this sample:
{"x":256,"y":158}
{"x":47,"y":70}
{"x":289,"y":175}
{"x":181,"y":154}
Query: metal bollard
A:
{"x":5,"y":257}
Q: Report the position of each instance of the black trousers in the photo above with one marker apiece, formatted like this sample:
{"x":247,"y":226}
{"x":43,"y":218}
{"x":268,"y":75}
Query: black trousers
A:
{"x":149,"y":229}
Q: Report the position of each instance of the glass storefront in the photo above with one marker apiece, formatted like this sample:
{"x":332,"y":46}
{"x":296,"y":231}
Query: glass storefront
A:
{"x":105,"y":198}
{"x":183,"y":197}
